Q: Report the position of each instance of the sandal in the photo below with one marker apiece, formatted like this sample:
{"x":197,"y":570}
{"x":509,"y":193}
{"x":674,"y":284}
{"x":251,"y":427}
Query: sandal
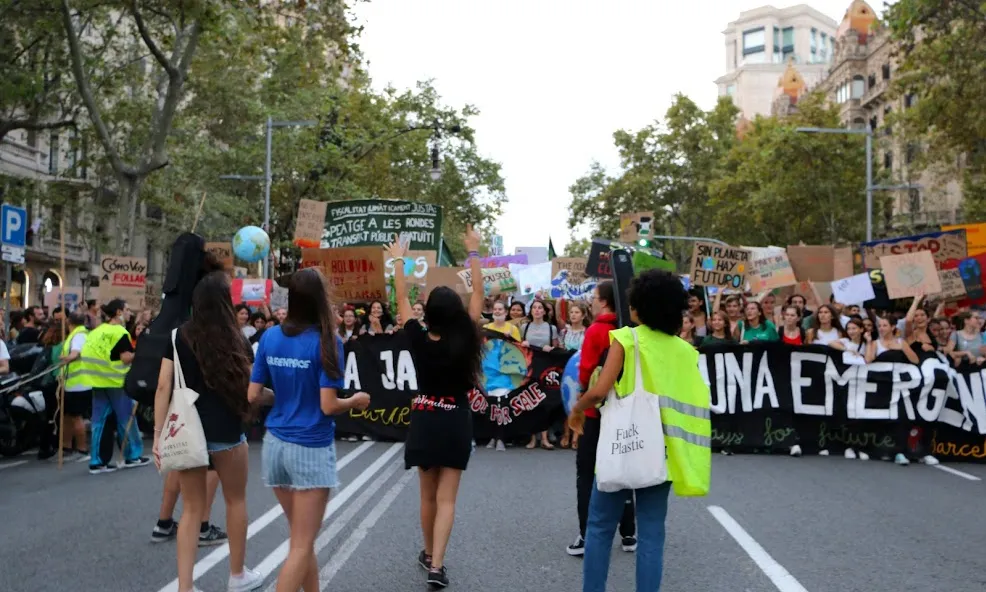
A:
{"x":531,"y":444}
{"x":547,"y":445}
{"x":564,"y":443}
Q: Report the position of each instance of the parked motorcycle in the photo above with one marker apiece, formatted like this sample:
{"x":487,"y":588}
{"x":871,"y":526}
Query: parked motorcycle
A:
{"x":22,"y":404}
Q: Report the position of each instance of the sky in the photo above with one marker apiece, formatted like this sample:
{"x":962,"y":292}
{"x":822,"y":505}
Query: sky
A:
{"x":553,"y":80}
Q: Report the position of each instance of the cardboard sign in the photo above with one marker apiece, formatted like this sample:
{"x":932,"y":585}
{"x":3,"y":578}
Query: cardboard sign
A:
{"x":911,"y":274}
{"x":445,"y":276}
{"x":771,"y":271}
{"x":223,"y":252}
{"x":952,"y":287}
{"x":944,"y":246}
{"x":975,"y":236}
{"x":416,"y":266}
{"x":575,"y":266}
{"x":355,"y":273}
{"x":856,"y":289}
{"x":124,"y":278}
{"x":495,"y":281}
{"x":636,"y":226}
{"x":719,"y":265}
{"x":310,"y":225}
{"x":278,"y":297}
{"x":820,"y":263}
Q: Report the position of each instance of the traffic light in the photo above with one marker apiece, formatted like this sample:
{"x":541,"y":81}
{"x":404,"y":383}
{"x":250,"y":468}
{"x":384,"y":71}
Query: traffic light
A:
{"x":643,"y":243}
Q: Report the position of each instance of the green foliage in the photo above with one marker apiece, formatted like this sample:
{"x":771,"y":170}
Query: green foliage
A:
{"x":578,"y":247}
{"x":941,"y":63}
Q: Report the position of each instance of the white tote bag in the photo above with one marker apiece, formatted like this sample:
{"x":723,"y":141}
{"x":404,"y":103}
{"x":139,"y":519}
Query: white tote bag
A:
{"x":630,"y":453}
{"x":182,"y":441}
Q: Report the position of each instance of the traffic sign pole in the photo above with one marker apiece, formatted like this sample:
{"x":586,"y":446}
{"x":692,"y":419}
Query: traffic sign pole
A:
{"x":13,"y":236}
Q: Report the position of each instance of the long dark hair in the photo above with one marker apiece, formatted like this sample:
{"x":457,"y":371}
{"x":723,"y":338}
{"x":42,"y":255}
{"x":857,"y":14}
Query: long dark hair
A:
{"x":449,"y":319}
{"x":214,"y":337}
{"x":385,"y":318}
{"x":309,"y":308}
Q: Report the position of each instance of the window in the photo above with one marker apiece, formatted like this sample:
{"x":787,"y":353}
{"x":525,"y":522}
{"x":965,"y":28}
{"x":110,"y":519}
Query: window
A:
{"x":814,"y":42}
{"x":787,"y":40}
{"x":72,"y":157}
{"x":888,"y":160}
{"x":754,"y":41}
{"x":859,"y":123}
{"x":858,"y":87}
{"x":83,"y":171}
{"x":887,"y":127}
{"x":911,"y":153}
{"x":910,"y":100}
{"x":53,"y":155}
{"x":755,"y":58}
{"x":735,"y":54}
{"x":831,"y":47}
{"x":886,"y":71}
{"x":914,"y":200}
{"x":871,"y":81}
{"x":57,"y":213}
{"x":777,"y":39}
{"x":823,"y":48}
{"x":873,"y":123}
{"x":731,"y":90}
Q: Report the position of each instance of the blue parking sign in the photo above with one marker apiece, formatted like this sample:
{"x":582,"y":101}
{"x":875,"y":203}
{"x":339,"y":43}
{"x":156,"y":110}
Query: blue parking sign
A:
{"x":13,"y":225}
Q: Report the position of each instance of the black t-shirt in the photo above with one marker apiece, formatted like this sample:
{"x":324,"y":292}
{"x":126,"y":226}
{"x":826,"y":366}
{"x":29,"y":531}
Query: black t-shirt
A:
{"x":438,"y":376}
{"x":28,"y":335}
{"x":220,"y":423}
{"x":123,"y":346}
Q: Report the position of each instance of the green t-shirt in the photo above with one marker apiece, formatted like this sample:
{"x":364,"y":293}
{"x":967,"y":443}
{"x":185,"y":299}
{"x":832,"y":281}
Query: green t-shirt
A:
{"x":712,"y":340}
{"x":764,"y":332}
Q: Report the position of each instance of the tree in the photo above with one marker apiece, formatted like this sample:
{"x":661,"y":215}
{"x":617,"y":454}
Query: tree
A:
{"x":667,"y":168}
{"x":578,"y":247}
{"x":941,"y":57}
{"x":779,"y":186}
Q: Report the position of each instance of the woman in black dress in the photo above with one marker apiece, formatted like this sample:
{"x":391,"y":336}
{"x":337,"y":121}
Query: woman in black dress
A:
{"x":447,"y":359}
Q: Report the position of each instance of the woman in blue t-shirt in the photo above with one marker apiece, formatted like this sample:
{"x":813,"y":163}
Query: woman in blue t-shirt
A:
{"x":303,"y":359}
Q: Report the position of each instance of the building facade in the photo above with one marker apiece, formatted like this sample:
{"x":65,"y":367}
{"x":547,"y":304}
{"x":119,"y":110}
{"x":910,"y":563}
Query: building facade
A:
{"x":761,"y":43}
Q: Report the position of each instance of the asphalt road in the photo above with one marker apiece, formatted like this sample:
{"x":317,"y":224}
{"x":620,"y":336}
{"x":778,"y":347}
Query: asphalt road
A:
{"x":770,"y":523}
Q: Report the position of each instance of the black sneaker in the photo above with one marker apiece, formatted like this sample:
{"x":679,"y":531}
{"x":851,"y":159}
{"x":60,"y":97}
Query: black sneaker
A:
{"x":438,"y":578}
{"x":137,"y":462}
{"x":424,"y":560}
{"x":212,"y":536}
{"x":99,"y":469}
{"x":162,"y":534}
{"x":630,"y":544}
{"x":576,"y":549}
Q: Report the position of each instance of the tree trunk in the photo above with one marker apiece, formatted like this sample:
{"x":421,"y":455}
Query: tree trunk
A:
{"x":126,"y":214}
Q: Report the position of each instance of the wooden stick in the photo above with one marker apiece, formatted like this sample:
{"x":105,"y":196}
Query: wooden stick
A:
{"x":61,"y":374}
{"x":198,"y":212}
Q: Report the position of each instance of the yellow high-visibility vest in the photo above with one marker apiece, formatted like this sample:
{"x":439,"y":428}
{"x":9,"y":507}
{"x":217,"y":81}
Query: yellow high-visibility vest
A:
{"x":97,"y":369}
{"x":73,"y":372}
{"x":669,"y":367}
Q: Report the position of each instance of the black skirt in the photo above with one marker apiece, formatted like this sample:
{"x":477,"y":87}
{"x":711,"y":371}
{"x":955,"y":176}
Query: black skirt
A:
{"x":440,"y":434}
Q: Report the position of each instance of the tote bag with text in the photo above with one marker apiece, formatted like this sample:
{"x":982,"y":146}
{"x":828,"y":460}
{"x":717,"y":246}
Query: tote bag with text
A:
{"x":182,"y":445}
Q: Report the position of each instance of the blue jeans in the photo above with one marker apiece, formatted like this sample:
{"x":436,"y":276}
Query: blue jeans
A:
{"x":605,"y":511}
{"x":114,"y":400}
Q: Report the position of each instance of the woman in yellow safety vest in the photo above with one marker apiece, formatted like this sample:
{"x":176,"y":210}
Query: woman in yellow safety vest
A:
{"x":78,"y":395}
{"x":104,"y":362}
{"x":669,"y":369}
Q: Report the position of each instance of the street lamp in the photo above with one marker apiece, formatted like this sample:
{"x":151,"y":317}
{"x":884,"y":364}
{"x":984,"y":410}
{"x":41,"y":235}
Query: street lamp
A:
{"x":269,"y":127}
{"x":870,"y":187}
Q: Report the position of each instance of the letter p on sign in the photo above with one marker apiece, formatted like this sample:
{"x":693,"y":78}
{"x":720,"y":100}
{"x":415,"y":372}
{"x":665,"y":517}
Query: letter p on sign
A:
{"x":13,"y":225}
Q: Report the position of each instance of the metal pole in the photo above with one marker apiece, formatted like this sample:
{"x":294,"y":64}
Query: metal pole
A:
{"x":9,"y":278}
{"x":267,"y":182}
{"x":869,"y":186}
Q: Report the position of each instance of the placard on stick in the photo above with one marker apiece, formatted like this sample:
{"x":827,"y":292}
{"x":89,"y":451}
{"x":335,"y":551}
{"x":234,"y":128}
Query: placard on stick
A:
{"x":719,"y":266}
{"x":310,"y":225}
{"x":636,"y":225}
{"x":910,"y":274}
{"x":223,"y":252}
{"x":355,"y":273}
{"x":124,"y":278}
{"x":575,"y":266}
{"x":495,"y":281}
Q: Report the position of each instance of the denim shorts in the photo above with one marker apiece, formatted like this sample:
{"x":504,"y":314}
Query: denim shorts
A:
{"x":214,"y":447}
{"x":296,"y":467}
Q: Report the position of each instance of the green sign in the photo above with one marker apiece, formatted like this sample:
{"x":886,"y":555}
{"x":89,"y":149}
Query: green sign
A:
{"x":370,"y":222}
{"x":644,"y":261}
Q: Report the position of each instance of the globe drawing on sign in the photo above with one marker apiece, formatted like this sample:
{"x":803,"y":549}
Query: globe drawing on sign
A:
{"x":505,"y":367}
{"x":570,"y":387}
{"x":251,"y":244}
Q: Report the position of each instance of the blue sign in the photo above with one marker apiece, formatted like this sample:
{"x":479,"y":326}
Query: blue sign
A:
{"x":13,"y":226}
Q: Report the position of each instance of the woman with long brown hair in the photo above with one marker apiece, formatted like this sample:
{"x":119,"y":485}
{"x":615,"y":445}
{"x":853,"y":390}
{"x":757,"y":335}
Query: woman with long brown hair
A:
{"x":303,"y":359}
{"x":215,"y":361}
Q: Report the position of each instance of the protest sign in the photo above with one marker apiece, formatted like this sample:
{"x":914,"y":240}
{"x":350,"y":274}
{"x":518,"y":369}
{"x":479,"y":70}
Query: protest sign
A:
{"x":379,"y":221}
{"x":416,"y":266}
{"x":575,"y":266}
{"x":855,"y":289}
{"x":952,"y":287}
{"x":975,"y":236}
{"x":944,"y":246}
{"x":444,"y":276}
{"x":719,"y":265}
{"x":771,"y":271}
{"x":124,"y":278}
{"x":533,"y":278}
{"x":310,"y":226}
{"x":503,"y":261}
{"x":495,"y":281}
{"x":636,"y":226}
{"x":67,"y":298}
{"x":223,"y":252}
{"x":644,"y":261}
{"x":820,"y":263}
{"x":355,"y":273}
{"x":910,"y":274}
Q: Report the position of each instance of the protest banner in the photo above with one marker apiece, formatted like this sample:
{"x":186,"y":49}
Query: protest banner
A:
{"x":773,"y":270}
{"x":636,"y":226}
{"x":719,"y":265}
{"x":310,"y":225}
{"x":377,"y":222}
{"x":573,"y":266}
{"x":495,"y":281}
{"x":910,"y":275}
{"x":975,"y":236}
{"x":944,"y":246}
{"x":223,"y":252}
{"x":355,"y":273}
{"x":124,"y":278}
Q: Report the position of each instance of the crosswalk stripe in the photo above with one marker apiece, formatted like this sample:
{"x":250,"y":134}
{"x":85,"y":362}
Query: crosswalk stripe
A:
{"x":13,"y":464}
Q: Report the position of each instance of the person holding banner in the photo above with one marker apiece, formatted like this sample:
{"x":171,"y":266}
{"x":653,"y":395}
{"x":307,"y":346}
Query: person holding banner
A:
{"x":755,"y":326}
{"x":825,"y":327}
{"x":448,"y":357}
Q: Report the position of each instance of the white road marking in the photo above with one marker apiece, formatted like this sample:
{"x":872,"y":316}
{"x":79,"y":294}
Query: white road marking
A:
{"x":781,"y":578}
{"x":348,"y":547}
{"x":83,"y":459}
{"x":957,"y":473}
{"x":352,"y":509}
{"x":13,"y":464}
{"x":29,"y":452}
{"x":278,"y":555}
{"x":222,"y":552}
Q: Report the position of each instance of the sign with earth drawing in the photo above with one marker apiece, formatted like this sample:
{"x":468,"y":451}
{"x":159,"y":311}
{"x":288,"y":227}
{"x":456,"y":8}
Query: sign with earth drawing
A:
{"x":375,"y":222}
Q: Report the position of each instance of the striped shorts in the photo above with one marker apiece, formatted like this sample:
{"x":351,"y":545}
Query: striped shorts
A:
{"x":297,"y":467}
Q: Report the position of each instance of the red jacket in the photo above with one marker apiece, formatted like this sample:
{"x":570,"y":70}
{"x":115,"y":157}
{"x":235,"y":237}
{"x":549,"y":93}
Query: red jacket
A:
{"x":594,"y":347}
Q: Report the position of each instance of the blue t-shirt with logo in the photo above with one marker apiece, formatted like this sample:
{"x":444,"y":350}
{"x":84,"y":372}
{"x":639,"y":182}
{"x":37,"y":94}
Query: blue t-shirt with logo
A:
{"x":293,"y":365}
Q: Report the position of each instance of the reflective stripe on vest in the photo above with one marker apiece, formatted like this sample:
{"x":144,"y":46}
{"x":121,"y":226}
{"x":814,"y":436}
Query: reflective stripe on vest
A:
{"x":684,"y":401}
{"x":96,"y":370}
{"x":73,"y":372}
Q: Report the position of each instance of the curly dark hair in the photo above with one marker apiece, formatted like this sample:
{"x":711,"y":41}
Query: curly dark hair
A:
{"x":658,"y":299}
{"x":214,"y":337}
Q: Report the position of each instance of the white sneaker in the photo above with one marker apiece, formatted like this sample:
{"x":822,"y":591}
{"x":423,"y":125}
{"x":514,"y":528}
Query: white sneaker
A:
{"x":796,"y":450}
{"x":901,"y":460}
{"x":930,"y":460}
{"x":250,"y":579}
{"x":850,"y":453}
{"x":500,"y":447}
{"x":864,"y":456}
{"x":823,"y":453}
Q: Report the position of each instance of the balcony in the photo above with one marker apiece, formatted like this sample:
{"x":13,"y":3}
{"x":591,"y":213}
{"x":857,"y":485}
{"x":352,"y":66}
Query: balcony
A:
{"x":22,"y":160}
{"x":875,"y":93}
{"x":48,"y":248}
